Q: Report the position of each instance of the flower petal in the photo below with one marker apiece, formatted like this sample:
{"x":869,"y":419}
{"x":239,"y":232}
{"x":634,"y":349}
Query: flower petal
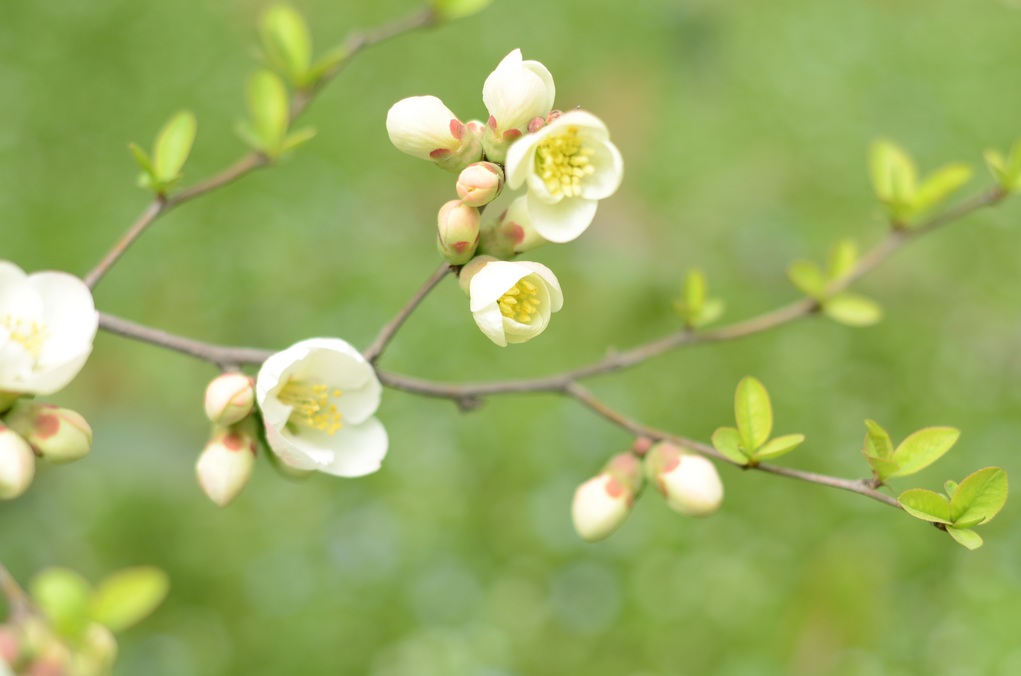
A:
{"x":518,"y":91}
{"x":490,"y":320}
{"x":556,"y":295}
{"x":70,"y":317}
{"x":563,"y":221}
{"x":419,"y":125}
{"x":360,"y":449}
{"x":520,"y":162}
{"x":492,"y":281}
{"x":609,"y":172}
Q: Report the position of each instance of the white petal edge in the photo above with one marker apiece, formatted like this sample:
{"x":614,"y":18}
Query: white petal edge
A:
{"x":564,"y":221}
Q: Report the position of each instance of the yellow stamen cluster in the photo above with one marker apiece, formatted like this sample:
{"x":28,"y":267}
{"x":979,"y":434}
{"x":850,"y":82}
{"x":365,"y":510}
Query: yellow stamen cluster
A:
{"x":312,"y":405}
{"x":521,"y":302}
{"x":562,"y":162}
{"x":30,"y":335}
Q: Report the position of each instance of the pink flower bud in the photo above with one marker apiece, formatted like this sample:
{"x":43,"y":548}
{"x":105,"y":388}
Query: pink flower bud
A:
{"x":688,"y":481}
{"x":480,"y":183}
{"x":17,"y":464}
{"x":230,"y":397}
{"x":602,"y":504}
{"x":458,"y":231}
{"x":56,"y":434}
{"x":225,"y":465}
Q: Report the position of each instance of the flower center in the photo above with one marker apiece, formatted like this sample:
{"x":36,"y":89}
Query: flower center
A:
{"x":312,"y":406}
{"x":30,"y":336}
{"x":521,"y":302}
{"x":562,"y":161}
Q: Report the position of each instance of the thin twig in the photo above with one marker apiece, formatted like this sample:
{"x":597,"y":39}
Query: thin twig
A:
{"x":386,"y":334}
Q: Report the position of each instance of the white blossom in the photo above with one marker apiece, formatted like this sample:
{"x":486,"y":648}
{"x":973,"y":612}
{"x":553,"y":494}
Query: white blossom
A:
{"x":511,"y":301}
{"x":517,"y":92}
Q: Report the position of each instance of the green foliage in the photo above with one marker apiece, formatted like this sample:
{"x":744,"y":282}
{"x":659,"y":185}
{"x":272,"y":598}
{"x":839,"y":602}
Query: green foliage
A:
{"x":694,"y":306}
{"x":128,"y":596}
{"x":847,"y":308}
{"x":895,"y":182}
{"x":1006,"y":170}
{"x":915,"y":453}
{"x":852,"y":309}
{"x":750,"y":442}
{"x":286,"y":42}
{"x":170,"y":152}
{"x":448,"y":10}
{"x":976,"y":500}
{"x":270,"y":117}
{"x":63,"y":596}
{"x":808,"y":278}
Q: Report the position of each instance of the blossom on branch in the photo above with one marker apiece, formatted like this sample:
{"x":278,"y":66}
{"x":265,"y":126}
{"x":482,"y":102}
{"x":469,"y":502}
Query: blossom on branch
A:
{"x":512,"y":300}
{"x":423,"y":127}
{"x":688,"y":481}
{"x":48,"y":321}
{"x":317,"y":398}
{"x":568,"y":166}
{"x":517,"y":92}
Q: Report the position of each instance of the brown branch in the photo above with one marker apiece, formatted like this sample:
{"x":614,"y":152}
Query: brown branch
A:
{"x":252,"y":161}
{"x":386,"y":334}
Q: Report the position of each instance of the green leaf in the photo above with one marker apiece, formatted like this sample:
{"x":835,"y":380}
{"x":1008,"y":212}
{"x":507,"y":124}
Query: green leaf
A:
{"x":694,"y":292}
{"x":893,"y":173}
{"x":328,"y":62}
{"x":63,"y":596}
{"x":923,"y":448}
{"x":711,"y":311}
{"x":141,"y":158}
{"x":779,"y":446}
{"x":966,"y":537}
{"x":877,"y":440}
{"x":843,"y":257}
{"x":940,"y":185}
{"x":807,"y":277}
{"x":979,"y":497}
{"x":753,"y":412}
{"x":173,"y":145}
{"x":128,"y":596}
{"x":270,"y":113}
{"x":925,"y":505}
{"x":852,"y":309}
{"x":285,"y":38}
{"x":297,"y":138}
{"x":448,"y":10}
{"x":727,"y":441}
{"x":950,"y":487}
{"x":882,"y":467}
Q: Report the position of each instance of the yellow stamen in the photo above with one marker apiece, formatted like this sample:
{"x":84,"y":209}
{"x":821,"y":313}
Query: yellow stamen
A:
{"x":30,"y":335}
{"x":562,"y":162}
{"x":312,"y":405}
{"x":523,"y":308}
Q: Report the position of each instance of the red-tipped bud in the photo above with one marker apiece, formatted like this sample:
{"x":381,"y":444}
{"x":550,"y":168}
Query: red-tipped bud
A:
{"x":226,"y":463}
{"x":230,"y":398}
{"x":56,"y":434}
{"x":458,"y":232}
{"x":480,"y":183}
{"x":688,"y":481}
{"x":602,"y":504}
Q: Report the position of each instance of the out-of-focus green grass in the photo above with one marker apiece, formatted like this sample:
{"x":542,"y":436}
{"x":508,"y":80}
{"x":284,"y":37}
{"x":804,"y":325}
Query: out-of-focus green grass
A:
{"x":744,"y":128}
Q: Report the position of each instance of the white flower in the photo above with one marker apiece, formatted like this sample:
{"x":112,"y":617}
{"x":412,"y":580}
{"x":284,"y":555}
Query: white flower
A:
{"x":515,"y":93}
{"x":47,"y":323}
{"x":600,"y":507}
{"x":423,"y":127}
{"x":568,"y":165}
{"x":512,"y":300}
{"x":317,"y":398}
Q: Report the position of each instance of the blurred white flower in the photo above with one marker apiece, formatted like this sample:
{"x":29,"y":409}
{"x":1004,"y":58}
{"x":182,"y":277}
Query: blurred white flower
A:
{"x":600,"y":507}
{"x":423,"y":127}
{"x":512,"y":300}
{"x":688,"y":481}
{"x":317,"y":398}
{"x":515,"y":93}
{"x":17,"y":464}
{"x":568,"y":166}
{"x":226,"y":463}
{"x":48,"y":321}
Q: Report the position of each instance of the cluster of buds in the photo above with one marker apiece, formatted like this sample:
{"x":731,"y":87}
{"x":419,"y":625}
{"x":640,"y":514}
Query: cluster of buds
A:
{"x":31,"y":430}
{"x":688,"y":481}
{"x":565,"y":163}
{"x":226,"y":463}
{"x":32,"y":647}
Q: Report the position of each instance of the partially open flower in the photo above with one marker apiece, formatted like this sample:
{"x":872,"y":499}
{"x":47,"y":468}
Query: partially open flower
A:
{"x":479,"y":183}
{"x":225,"y":465}
{"x":568,"y":166}
{"x":47,"y":323}
{"x":17,"y":464}
{"x":512,"y":300}
{"x":423,"y":127}
{"x":317,"y":399}
{"x":602,"y":504}
{"x":688,"y":481}
{"x":515,"y":93}
{"x":57,"y":435}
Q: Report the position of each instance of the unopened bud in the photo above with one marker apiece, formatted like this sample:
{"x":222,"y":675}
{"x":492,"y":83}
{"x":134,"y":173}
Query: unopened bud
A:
{"x":17,"y":464}
{"x":602,"y":504}
{"x":480,"y":183}
{"x":457,"y":231}
{"x":57,"y":435}
{"x":688,"y":481}
{"x":422,"y":126}
{"x":230,"y":397}
{"x":512,"y":233}
{"x":225,"y":465}
{"x":464,"y":278}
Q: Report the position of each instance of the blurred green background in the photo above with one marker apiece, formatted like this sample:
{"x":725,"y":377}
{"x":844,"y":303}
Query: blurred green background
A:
{"x":744,"y":128}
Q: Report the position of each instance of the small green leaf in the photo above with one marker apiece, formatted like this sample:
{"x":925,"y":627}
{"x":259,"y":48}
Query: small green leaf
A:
{"x":727,"y":441}
{"x":940,"y":185}
{"x":63,"y":596}
{"x":923,"y":448}
{"x":694,"y":292}
{"x":128,"y":596}
{"x":807,"y":277}
{"x":877,"y":440}
{"x":287,"y":43}
{"x":712,"y":310}
{"x":173,"y":145}
{"x":269,"y":109}
{"x":458,"y":9}
{"x":753,"y":412}
{"x":882,"y":467}
{"x":950,"y":487}
{"x":842,"y":259}
{"x":966,"y":537}
{"x":852,"y":309}
{"x":297,"y":138}
{"x":328,"y":62}
{"x":141,"y":158}
{"x":774,"y":448}
{"x":925,"y":505}
{"x":893,"y":173}
{"x":979,"y":497}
